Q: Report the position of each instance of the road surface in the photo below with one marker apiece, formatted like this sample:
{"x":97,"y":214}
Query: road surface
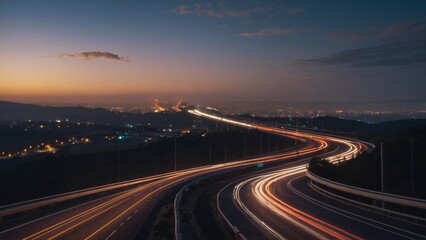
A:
{"x":281,"y":204}
{"x":120,"y":215}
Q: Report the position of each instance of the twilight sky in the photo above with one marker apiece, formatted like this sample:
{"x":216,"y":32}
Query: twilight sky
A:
{"x":118,"y":51}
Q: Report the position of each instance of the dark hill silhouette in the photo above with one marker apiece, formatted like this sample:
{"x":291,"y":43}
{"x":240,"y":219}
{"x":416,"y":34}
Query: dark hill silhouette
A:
{"x":18,"y":112}
{"x":10,"y":111}
{"x":348,"y":126}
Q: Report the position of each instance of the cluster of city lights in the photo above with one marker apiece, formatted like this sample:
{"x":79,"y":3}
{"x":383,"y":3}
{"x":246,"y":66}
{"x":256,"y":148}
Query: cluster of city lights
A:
{"x":44,"y":147}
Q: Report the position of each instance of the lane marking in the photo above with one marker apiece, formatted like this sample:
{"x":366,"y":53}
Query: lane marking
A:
{"x":83,"y":214}
{"x":336,"y":209}
{"x":62,"y":211}
{"x":76,"y":225}
{"x":269,"y":158}
{"x":111,"y":234}
{"x":286,"y":172}
{"x":132,"y":206}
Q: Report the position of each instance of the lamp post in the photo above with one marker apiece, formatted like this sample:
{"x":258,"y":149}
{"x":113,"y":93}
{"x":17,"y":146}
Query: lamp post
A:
{"x":119,"y":166}
{"x":382,"y":168}
{"x":175,"y":153}
{"x":412,"y":168}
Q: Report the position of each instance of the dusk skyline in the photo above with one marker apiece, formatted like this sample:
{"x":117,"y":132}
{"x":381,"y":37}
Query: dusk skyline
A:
{"x":113,"y":51}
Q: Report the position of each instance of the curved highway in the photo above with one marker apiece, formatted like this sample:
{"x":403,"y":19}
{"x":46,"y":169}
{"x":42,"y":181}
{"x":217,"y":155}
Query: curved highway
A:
{"x":260,"y":200}
{"x":281,"y":204}
{"x":120,"y":215}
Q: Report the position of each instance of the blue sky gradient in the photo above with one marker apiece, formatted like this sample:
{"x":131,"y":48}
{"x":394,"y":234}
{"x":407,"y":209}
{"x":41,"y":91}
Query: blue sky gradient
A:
{"x":212,"y":50}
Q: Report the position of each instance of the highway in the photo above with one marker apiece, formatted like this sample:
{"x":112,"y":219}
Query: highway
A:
{"x":281,"y":204}
{"x":255,"y":201}
{"x":121,"y":215}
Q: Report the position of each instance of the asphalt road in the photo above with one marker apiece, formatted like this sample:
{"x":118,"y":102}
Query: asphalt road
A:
{"x":121,"y":215}
{"x":281,"y":204}
{"x":117,"y":216}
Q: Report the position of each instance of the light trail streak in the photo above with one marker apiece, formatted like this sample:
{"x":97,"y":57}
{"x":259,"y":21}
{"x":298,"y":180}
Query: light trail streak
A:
{"x":263,"y":189}
{"x":90,"y":213}
{"x":236,"y":195}
{"x":73,"y":222}
{"x":354,"y":147}
{"x":262,"y":185}
{"x":312,"y":143}
{"x":354,"y":216}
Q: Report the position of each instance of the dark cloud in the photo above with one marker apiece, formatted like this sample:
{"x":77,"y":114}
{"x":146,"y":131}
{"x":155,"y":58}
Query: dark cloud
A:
{"x":349,"y":37}
{"x":216,"y":10}
{"x":400,"y":31}
{"x":95,"y":54}
{"x":395,"y":54}
{"x":221,"y":11}
{"x":294,"y":10}
{"x":270,"y":32}
{"x":404,"y":31}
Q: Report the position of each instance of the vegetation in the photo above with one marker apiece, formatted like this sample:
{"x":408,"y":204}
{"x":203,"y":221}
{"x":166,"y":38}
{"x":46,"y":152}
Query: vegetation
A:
{"x":164,"y":224}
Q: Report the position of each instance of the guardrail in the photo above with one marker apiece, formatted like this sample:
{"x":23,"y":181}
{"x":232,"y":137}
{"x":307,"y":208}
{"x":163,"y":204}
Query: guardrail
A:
{"x":20,"y":207}
{"x":380,"y":196}
{"x":178,"y":197}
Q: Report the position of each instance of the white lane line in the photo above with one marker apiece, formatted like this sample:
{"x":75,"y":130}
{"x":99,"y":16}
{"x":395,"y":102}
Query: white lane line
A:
{"x":364,"y":206}
{"x":121,"y":224}
{"x":113,"y":197}
{"x":236,"y":193}
{"x":136,"y":211}
{"x":129,"y":218}
{"x":259,"y":192}
{"x":110,"y":234}
{"x":347,"y":214}
{"x":65,"y":210}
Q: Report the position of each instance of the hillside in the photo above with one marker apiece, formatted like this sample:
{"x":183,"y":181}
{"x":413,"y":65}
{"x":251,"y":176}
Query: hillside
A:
{"x":349,"y":126}
{"x":20,"y":112}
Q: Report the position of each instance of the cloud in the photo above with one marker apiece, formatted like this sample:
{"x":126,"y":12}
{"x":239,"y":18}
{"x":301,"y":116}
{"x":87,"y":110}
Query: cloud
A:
{"x":294,"y":10}
{"x":250,"y":21}
{"x":404,"y":31}
{"x":394,"y":54}
{"x":348,"y":37}
{"x":395,"y":32}
{"x":271,"y":32}
{"x":95,"y":54}
{"x":217,"y":11}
